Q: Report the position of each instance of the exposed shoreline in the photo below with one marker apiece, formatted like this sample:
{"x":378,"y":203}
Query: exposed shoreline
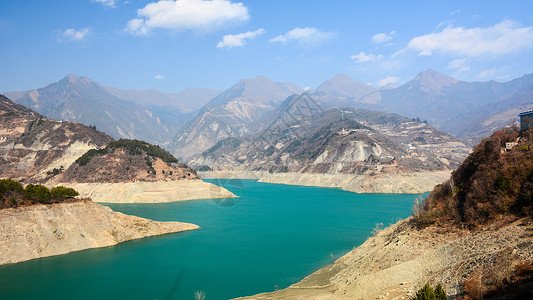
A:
{"x":400,"y":259}
{"x":38,"y":231}
{"x":149,"y":192}
{"x":409,"y":183}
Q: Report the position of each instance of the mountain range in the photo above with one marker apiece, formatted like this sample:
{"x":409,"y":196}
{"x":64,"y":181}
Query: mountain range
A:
{"x":338,"y":140}
{"x":192,"y":121}
{"x":243,"y":109}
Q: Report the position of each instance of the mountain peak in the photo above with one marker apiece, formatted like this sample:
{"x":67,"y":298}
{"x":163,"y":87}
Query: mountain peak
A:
{"x":342,"y":85}
{"x":433,"y":81}
{"x":71,"y":78}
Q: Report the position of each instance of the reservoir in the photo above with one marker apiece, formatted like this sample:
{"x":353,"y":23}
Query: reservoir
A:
{"x":270,"y":237}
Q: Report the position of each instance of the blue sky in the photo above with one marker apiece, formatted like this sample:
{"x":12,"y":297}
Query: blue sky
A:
{"x":171,"y":45}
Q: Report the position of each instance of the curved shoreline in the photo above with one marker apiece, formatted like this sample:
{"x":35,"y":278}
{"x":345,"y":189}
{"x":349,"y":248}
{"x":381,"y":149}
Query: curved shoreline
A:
{"x":409,"y":183}
{"x":150,"y":192}
{"x":47,"y":230}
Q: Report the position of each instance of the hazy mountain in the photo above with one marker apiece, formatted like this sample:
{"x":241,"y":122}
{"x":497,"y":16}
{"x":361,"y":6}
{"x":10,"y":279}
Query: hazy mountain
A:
{"x":186,"y":101}
{"x":36,"y":148}
{"x":448,"y":103}
{"x":243,"y":109}
{"x":304,"y":138}
{"x":483,"y":121}
{"x":342,"y":85}
{"x":83,"y":100}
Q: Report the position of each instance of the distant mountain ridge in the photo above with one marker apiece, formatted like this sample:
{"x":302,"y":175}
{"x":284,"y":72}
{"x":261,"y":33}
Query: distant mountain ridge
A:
{"x":193,"y":120}
{"x":245,"y":108}
{"x":337,"y":140}
{"x":83,"y":100}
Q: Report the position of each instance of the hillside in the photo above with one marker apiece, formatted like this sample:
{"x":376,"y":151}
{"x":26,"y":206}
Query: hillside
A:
{"x":490,"y":184}
{"x":83,"y":100}
{"x":345,"y":141}
{"x":243,"y":109}
{"x":33,"y":148}
{"x":472,"y":234}
{"x":126,"y":161}
{"x":454,"y":106}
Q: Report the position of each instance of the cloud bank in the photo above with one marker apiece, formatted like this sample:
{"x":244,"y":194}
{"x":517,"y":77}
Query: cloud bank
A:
{"x":186,"y":15}
{"x":106,"y":3}
{"x":73,"y":35}
{"x":238,"y":40}
{"x":363,"y":57}
{"x":306,"y":35}
{"x":506,"y":37}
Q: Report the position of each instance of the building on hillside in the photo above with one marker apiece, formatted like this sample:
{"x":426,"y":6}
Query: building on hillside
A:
{"x":526,"y":120}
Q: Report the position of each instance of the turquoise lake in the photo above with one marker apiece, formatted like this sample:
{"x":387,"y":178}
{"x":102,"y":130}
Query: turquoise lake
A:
{"x":270,"y":237}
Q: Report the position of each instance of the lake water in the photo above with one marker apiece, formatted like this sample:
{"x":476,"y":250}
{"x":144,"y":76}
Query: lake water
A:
{"x":271,"y":237}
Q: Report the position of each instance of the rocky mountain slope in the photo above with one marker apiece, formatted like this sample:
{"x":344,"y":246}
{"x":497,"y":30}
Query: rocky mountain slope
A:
{"x":342,"y":140}
{"x":472,"y":234}
{"x":242,"y":109}
{"x":450,"y":104}
{"x":126,"y":161}
{"x":83,"y":100}
{"x":132,"y":171}
{"x":46,"y":230}
{"x":34,"y":148}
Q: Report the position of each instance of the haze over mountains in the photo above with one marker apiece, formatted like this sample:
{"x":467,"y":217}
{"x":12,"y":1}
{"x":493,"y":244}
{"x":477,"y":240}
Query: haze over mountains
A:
{"x":243,"y":109}
{"x":468,"y":110}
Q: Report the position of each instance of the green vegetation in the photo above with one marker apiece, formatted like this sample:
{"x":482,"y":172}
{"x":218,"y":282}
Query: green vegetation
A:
{"x":12,"y":194}
{"x":428,"y":293}
{"x":134,"y":147}
{"x":489,"y":184}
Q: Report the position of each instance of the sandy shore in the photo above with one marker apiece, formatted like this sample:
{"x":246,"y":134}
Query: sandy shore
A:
{"x":47,"y":230}
{"x":411,"y":183}
{"x":149,"y":192}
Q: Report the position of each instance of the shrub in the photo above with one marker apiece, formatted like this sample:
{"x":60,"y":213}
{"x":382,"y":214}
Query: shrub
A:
{"x":428,"y":293}
{"x":60,"y":193}
{"x":37,"y":194}
{"x":9,"y":185}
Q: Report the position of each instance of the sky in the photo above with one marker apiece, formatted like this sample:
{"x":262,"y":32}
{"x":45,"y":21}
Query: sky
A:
{"x":170,"y":45}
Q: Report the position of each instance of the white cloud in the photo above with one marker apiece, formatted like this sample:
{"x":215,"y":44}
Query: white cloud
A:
{"x":238,"y":40}
{"x":382,"y":37}
{"x":363,"y":57}
{"x":459,"y":64}
{"x":388,"y":80}
{"x":73,"y":35}
{"x":106,"y":3}
{"x":159,"y":77}
{"x":506,"y":37}
{"x":487,"y":73}
{"x":186,"y":14}
{"x":306,"y":35}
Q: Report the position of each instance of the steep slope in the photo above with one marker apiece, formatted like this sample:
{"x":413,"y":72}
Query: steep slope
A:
{"x":242,"y":109}
{"x":440,"y":99}
{"x":83,"y":100}
{"x":126,"y":161}
{"x":132,"y":171}
{"x":33,"y":148}
{"x":345,"y":140}
{"x":481,"y":122}
{"x":490,"y":194}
